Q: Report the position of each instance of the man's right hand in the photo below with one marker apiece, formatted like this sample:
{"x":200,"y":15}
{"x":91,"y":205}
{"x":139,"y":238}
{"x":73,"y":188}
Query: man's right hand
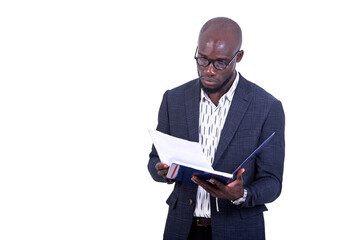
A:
{"x":162,"y":169}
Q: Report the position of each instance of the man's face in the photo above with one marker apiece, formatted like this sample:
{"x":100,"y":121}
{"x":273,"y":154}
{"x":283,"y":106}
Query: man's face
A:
{"x":213,"y":80}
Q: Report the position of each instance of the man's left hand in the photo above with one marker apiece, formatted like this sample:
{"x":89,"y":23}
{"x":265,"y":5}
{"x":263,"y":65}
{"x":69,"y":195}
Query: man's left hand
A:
{"x":231,"y":191}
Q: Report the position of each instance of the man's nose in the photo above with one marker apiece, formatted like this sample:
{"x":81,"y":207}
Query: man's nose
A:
{"x":210,"y":70}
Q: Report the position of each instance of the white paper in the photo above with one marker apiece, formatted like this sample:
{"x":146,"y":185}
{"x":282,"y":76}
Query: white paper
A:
{"x":172,"y":149}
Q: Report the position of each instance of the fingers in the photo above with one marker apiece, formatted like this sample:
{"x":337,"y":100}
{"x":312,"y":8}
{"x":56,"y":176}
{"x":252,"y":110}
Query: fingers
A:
{"x":201,"y":182}
{"x":239,"y":173}
{"x":213,"y":186}
{"x":208,"y":186}
{"x":231,"y":191}
{"x":160,"y":166}
{"x":162,"y":169}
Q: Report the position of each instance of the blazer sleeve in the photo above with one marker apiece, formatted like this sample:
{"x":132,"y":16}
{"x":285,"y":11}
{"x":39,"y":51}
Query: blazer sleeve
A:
{"x":163,"y":126}
{"x":270,"y":162}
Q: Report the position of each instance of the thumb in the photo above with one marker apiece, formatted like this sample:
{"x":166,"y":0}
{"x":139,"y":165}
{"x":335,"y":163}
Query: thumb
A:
{"x":239,"y":173}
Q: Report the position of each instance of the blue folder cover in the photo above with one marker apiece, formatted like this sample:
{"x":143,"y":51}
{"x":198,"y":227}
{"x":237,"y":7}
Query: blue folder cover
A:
{"x":182,"y":172}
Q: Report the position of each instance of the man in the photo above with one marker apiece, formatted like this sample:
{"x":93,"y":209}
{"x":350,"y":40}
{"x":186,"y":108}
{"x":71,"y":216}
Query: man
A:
{"x":230,"y":117}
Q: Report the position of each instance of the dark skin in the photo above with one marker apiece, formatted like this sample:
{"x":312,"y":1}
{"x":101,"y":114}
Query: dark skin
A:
{"x":231,"y":191}
{"x":217,"y":42}
{"x":162,"y":169}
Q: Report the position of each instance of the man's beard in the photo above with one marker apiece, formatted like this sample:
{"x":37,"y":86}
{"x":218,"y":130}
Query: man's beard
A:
{"x":217,"y":89}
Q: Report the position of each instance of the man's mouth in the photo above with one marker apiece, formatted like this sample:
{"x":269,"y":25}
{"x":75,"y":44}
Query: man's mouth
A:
{"x":208,"y":81}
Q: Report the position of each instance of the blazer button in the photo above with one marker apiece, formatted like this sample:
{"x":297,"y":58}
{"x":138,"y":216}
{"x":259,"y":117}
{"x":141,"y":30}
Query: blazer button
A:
{"x":190,"y":201}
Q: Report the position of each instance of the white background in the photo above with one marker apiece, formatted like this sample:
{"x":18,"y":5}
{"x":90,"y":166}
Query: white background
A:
{"x":81,"y":81}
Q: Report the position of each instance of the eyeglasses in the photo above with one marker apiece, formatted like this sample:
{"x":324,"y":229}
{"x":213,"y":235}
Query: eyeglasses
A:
{"x":218,"y":64}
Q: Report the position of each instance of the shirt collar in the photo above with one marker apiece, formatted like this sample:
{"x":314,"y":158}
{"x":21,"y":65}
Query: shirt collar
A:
{"x":228,"y":95}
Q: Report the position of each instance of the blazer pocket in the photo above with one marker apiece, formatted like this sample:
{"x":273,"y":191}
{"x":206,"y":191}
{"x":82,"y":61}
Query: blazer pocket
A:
{"x":172,"y":200}
{"x":248,"y":212}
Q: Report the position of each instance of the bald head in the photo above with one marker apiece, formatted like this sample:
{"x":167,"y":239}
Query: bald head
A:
{"x":219,"y":31}
{"x":219,"y":43}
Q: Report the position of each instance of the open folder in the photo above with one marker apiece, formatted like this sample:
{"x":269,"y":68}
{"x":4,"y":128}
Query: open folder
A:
{"x":186,"y":158}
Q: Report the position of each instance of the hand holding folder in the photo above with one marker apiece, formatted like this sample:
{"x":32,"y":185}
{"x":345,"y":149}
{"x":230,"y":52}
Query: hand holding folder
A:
{"x":231,"y":191}
{"x":186,"y":159}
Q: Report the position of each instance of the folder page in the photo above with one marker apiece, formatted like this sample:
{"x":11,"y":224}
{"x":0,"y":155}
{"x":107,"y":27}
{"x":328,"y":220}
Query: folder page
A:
{"x":172,"y":149}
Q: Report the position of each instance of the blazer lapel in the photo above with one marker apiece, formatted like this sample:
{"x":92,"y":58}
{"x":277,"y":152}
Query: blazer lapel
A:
{"x":238,"y":108}
{"x":192,"y":101}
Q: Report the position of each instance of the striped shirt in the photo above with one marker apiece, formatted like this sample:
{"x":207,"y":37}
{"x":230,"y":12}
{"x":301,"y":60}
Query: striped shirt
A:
{"x":211,"y":123}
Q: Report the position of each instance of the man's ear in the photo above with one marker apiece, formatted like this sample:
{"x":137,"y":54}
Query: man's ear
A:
{"x":239,"y":56}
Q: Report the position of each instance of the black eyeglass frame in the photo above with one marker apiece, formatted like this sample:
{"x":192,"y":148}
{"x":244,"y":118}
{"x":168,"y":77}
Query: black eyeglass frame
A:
{"x":213,"y":61}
